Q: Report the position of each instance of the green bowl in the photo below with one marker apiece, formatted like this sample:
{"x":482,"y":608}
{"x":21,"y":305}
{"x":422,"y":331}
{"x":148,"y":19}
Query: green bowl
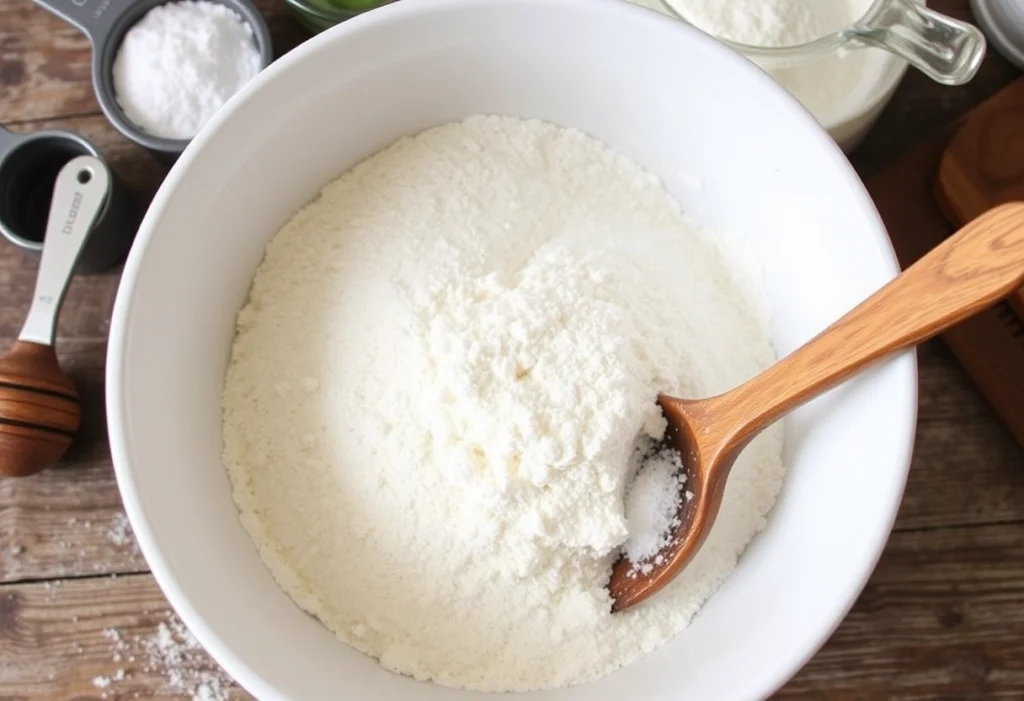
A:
{"x":318,"y":15}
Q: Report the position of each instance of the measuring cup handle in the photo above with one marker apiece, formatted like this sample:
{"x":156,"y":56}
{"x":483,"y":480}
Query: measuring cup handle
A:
{"x":945,"y":49}
{"x":95,"y":18}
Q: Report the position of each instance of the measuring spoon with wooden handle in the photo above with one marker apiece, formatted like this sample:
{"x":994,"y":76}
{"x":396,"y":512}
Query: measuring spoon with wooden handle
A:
{"x":39,"y":411}
{"x":971,"y":270}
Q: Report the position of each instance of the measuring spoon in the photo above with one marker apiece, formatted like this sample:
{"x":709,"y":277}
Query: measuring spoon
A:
{"x":39,"y":411}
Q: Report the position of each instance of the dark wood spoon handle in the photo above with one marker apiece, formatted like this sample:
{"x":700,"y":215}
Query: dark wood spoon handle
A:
{"x":39,"y":409}
{"x":971,"y":270}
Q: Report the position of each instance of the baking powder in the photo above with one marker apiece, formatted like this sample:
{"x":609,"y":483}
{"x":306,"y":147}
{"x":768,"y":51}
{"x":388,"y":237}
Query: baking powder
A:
{"x":180,"y":63}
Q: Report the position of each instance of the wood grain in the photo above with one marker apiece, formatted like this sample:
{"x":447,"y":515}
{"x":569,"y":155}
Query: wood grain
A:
{"x":940,"y":620}
{"x":966,"y":472}
{"x":983,"y":165}
{"x":94,"y":639}
{"x":70,"y":525}
{"x":65,"y":522}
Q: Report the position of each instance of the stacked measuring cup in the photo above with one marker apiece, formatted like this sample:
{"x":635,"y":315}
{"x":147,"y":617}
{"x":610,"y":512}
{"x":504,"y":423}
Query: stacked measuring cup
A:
{"x":111,"y":26}
{"x":121,"y":34}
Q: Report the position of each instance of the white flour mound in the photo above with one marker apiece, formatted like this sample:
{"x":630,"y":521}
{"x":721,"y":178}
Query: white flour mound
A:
{"x":770,"y":22}
{"x":437,"y":383}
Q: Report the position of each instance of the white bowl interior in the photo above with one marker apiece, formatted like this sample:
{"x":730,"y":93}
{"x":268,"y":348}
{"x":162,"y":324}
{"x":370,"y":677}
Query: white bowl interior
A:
{"x":663,"y":94}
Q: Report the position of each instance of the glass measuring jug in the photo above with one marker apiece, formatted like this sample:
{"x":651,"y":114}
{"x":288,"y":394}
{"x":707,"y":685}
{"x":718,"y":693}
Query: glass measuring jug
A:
{"x":945,"y":49}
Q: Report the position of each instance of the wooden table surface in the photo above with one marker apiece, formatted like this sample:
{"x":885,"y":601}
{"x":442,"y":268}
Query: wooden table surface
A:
{"x":81,"y":618}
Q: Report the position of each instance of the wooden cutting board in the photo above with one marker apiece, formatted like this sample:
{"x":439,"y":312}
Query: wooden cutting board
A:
{"x":925,"y":195}
{"x":983,"y":165}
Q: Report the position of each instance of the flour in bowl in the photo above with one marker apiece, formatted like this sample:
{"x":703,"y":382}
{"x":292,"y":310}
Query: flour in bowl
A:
{"x":441,"y":372}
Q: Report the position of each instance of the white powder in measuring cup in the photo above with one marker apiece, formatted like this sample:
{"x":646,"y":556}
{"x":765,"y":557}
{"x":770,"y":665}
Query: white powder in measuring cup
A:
{"x":180,"y":63}
{"x":770,"y":22}
{"x":842,"y":90}
{"x":440,"y":374}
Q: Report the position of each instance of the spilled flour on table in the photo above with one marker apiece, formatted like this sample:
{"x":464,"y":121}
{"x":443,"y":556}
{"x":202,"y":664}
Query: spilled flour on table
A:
{"x":172,"y":652}
{"x":119,"y":532}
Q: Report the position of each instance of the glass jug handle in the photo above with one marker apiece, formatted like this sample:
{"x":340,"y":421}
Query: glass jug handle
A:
{"x":945,"y":49}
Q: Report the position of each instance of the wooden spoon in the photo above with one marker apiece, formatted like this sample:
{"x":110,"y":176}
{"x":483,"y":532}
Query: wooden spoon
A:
{"x":969,"y":271}
{"x":39,"y":412}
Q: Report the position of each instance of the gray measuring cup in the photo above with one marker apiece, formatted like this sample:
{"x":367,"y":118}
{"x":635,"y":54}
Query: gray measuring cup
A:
{"x":105,"y":23}
{"x":29,"y":165}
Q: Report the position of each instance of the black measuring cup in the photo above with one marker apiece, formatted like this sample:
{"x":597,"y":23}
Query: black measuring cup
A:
{"x":29,"y":165}
{"x":105,"y":23}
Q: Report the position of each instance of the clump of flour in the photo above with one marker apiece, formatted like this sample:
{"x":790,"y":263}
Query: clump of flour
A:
{"x":436,"y":388}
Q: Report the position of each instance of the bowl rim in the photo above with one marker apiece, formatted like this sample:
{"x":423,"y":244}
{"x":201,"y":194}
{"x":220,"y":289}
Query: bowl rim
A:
{"x":118,"y":418}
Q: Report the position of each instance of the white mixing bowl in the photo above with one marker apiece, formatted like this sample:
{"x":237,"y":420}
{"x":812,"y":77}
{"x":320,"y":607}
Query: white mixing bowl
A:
{"x":669,"y":97}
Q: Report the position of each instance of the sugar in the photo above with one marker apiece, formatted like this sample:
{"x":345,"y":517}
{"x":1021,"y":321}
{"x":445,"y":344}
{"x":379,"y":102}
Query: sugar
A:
{"x":653,"y":501}
{"x":180,"y":63}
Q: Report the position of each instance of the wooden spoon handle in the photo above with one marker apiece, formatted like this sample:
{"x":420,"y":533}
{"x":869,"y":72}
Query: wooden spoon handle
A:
{"x":971,"y":270}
